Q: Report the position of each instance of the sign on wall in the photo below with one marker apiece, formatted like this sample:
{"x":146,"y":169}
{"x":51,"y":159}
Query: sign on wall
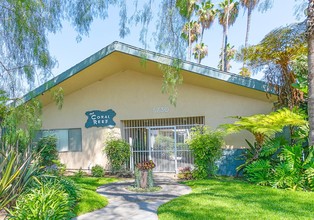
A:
{"x":97,"y":118}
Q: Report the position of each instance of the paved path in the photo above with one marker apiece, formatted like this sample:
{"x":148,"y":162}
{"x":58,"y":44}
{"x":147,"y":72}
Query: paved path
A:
{"x":126,"y":205}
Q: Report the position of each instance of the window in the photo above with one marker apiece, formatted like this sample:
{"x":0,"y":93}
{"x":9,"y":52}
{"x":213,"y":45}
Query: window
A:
{"x":67,"y":139}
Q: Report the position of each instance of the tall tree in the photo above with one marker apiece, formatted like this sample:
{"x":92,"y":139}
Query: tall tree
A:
{"x":206,"y":16}
{"x":274,"y":54}
{"x":186,"y":9}
{"x":250,"y":5}
{"x":228,"y":13}
{"x":24,"y":27}
{"x":310,"y":40}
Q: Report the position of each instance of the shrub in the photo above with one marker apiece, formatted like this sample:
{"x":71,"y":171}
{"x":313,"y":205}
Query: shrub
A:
{"x":47,"y":150}
{"x":16,"y":172}
{"x":206,"y":147}
{"x":71,"y":189}
{"x":259,"y":172}
{"x":118,"y":153}
{"x":47,"y":202}
{"x":80,"y":173}
{"x":98,"y":171}
{"x":185,"y":173}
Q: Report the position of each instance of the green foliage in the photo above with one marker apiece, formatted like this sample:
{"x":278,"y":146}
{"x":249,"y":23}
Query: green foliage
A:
{"x":263,"y":126}
{"x":137,"y":176}
{"x":58,"y":96}
{"x":49,"y":201}
{"x":276,"y":55}
{"x":172,"y":78}
{"x":20,"y":125}
{"x":47,"y":151}
{"x":259,"y":172}
{"x":150,"y":179}
{"x":80,"y":173}
{"x":98,"y":171}
{"x":118,"y":153}
{"x":295,"y":169}
{"x":16,"y":172}
{"x":206,"y":148}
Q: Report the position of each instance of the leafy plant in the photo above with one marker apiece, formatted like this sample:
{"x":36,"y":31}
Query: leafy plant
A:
{"x":206,"y":147}
{"x":16,"y":172}
{"x":185,"y":173}
{"x":49,"y":201}
{"x":80,"y":173}
{"x":266,"y":126}
{"x":296,"y":170}
{"x":118,"y":153}
{"x":98,"y":171}
{"x":144,"y":174}
{"x":146,"y":165}
{"x":47,"y":150}
{"x":259,"y":172}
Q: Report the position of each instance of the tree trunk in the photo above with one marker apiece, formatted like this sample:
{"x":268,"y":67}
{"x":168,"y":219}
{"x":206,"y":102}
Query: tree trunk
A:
{"x":226,"y":39}
{"x":311,"y":69}
{"x":223,"y":48}
{"x":248,"y":26}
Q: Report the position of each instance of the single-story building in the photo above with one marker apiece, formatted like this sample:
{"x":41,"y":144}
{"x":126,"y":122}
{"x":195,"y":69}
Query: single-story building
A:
{"x":117,"y":91}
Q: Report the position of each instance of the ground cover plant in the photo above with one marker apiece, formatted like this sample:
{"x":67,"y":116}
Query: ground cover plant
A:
{"x":227,"y":198}
{"x":90,"y":200}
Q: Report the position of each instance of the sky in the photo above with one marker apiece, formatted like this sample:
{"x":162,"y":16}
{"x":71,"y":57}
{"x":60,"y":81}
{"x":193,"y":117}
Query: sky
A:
{"x":68,"y":52}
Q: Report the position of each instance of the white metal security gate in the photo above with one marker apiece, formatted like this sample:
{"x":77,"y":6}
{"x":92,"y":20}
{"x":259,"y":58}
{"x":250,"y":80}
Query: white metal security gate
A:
{"x":161,"y":140}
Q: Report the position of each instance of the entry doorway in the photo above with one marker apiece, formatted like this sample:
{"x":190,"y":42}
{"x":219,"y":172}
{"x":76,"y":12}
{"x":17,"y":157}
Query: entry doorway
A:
{"x":161,"y":140}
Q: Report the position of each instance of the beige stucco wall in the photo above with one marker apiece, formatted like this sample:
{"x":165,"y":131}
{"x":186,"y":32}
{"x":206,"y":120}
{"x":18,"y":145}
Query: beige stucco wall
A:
{"x":134,"y":95}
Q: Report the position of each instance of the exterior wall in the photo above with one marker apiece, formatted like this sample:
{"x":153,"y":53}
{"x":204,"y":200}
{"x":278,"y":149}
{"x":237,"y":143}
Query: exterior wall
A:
{"x":133,"y":95}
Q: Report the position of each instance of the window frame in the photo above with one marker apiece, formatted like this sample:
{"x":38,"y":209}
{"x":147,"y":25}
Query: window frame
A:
{"x":69,"y":149}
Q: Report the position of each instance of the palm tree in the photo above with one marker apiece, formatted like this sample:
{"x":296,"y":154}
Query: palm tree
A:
{"x":206,"y":16}
{"x":250,"y":5}
{"x":228,"y":13}
{"x":310,"y":36}
{"x":190,"y":32}
{"x":186,"y":10}
{"x":200,"y":51}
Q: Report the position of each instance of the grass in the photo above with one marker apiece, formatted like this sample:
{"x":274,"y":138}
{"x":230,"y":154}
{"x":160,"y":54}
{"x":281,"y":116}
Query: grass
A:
{"x":90,"y":200}
{"x":226,"y":198}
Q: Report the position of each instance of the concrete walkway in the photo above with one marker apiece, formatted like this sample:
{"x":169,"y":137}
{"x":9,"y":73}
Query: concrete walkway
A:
{"x":126,"y":205}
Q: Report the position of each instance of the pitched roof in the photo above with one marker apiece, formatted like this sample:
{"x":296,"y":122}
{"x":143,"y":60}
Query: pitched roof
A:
{"x":139,"y":53}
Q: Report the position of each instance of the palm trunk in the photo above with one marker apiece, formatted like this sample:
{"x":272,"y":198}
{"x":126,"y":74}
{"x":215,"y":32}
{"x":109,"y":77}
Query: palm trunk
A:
{"x":223,"y":48}
{"x":190,"y":45}
{"x":311,"y":70}
{"x":248,"y":26}
{"x":226,"y":38}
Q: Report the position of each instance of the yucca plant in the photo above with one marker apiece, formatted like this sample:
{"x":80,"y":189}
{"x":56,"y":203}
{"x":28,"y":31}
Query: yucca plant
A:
{"x":16,"y":172}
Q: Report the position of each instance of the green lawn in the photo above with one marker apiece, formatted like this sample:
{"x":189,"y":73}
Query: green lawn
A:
{"x":226,"y":198}
{"x":90,"y":199}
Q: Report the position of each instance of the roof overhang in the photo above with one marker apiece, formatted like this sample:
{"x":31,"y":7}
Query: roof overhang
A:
{"x":118,"y":57}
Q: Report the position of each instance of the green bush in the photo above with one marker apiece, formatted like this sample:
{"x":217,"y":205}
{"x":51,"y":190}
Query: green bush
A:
{"x":206,"y":148}
{"x":71,"y":189}
{"x":47,"y":202}
{"x":118,"y":153}
{"x":47,"y":150}
{"x":259,"y":172}
{"x":80,"y":173}
{"x":98,"y":171}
